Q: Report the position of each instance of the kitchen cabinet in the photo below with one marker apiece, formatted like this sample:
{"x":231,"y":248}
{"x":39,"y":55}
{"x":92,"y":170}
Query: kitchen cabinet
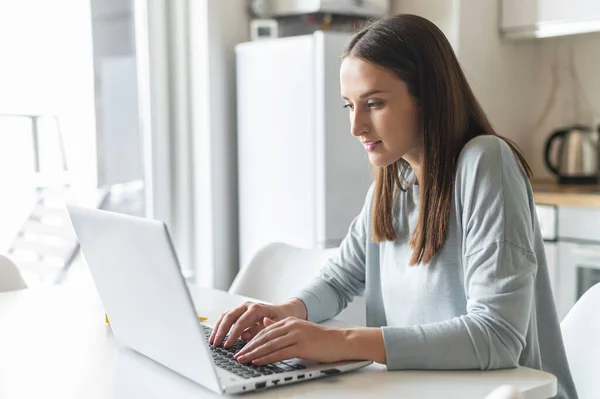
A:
{"x":545,"y":18}
{"x":572,"y":247}
{"x":578,"y":272}
{"x":579,"y":254}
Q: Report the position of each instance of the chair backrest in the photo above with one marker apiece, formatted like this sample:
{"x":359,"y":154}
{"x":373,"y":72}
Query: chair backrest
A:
{"x":505,"y":392}
{"x":10,"y":277}
{"x":580,"y":331}
{"x":278,"y":270}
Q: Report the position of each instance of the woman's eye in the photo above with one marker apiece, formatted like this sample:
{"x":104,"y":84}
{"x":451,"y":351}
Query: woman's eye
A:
{"x":375,"y":104}
{"x":348,"y":106}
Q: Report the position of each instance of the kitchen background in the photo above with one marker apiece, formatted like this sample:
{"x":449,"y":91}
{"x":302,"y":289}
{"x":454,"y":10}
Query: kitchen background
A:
{"x":154,"y":108}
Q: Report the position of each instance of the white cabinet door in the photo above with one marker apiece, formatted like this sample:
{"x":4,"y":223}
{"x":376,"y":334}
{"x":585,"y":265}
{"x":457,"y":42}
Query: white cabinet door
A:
{"x":577,"y":259}
{"x":579,"y":223}
{"x":545,"y":18}
{"x":561,"y":10}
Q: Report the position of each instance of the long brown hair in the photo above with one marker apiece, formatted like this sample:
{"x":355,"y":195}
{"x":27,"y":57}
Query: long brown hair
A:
{"x":420,"y":55}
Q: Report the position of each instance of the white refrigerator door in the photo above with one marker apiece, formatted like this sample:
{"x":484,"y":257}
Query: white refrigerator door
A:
{"x":302,"y":176}
{"x":344,"y":173}
{"x":276,"y":143}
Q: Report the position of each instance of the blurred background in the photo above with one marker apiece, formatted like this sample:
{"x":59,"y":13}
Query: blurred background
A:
{"x":223,"y":118}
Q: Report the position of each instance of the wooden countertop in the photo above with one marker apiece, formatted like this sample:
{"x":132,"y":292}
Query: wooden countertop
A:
{"x":548,"y":192}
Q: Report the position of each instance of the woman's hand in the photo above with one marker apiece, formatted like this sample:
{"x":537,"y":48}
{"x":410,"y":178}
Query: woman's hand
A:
{"x":247,"y":320}
{"x":290,"y":338}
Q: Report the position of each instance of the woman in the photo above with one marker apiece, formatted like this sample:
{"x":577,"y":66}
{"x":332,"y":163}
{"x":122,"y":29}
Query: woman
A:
{"x":447,"y":247}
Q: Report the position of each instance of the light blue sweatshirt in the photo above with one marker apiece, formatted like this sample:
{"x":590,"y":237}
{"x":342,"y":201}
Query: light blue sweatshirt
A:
{"x":483,"y":302}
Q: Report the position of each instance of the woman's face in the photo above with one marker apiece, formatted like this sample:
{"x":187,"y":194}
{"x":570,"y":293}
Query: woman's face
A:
{"x":383,"y":114}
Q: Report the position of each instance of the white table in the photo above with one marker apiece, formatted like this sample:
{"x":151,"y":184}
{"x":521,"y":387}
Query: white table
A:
{"x":54,"y":344}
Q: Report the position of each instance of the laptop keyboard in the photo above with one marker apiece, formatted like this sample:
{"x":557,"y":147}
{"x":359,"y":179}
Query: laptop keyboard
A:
{"x":223,"y":358}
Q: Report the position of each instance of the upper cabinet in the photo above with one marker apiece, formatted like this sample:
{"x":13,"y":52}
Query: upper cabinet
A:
{"x":545,"y":18}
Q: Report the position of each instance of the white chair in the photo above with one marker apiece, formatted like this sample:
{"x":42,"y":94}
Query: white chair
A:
{"x":580,"y":331}
{"x":10,"y":277}
{"x":505,"y":392}
{"x":278,"y":270}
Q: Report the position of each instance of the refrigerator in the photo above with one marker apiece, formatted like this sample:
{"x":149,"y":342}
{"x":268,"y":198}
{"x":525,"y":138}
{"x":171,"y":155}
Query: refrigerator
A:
{"x":302,"y":176}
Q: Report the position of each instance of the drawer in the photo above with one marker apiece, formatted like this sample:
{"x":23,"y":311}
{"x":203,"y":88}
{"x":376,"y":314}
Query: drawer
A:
{"x":579,"y":223}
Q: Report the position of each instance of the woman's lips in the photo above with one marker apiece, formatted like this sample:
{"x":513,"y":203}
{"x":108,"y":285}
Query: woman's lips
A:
{"x":371,"y":145}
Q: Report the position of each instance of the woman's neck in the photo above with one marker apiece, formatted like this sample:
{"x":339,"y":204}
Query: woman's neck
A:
{"x":416,"y":168}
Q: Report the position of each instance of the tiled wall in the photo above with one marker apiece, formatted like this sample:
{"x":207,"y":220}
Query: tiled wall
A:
{"x":572,"y":102}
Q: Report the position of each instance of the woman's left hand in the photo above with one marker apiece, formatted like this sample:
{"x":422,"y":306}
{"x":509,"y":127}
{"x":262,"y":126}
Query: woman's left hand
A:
{"x":290,"y":338}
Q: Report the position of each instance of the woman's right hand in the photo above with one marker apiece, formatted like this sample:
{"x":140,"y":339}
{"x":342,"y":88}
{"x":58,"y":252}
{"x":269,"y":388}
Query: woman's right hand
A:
{"x":247,"y":320}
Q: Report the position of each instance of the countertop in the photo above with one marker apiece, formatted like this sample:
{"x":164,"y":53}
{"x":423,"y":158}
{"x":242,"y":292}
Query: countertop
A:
{"x":549,"y":192}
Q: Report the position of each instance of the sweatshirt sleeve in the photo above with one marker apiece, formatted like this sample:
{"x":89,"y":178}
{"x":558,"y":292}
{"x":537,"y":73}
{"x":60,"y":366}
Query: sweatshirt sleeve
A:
{"x":343,"y":276}
{"x":499,"y":264}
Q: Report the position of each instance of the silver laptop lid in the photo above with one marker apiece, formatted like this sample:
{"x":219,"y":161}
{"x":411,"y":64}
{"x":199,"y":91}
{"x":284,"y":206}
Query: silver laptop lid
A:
{"x":136,"y":272}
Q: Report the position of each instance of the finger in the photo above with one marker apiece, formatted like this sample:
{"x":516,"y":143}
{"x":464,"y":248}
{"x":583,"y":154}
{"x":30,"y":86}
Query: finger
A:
{"x":271,"y":346}
{"x":261,"y":339}
{"x":254,"y":313}
{"x":252,"y":331}
{"x":277,"y":356}
{"x":258,"y":340}
{"x":216,"y":328}
{"x":228,"y":320}
{"x":265,"y":330}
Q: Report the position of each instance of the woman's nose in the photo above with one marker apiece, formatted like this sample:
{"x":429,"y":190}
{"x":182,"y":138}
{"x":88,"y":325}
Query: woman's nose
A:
{"x":358,"y":125}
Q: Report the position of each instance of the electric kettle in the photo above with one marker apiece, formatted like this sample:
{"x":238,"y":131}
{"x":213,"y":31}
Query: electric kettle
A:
{"x":577,"y":156}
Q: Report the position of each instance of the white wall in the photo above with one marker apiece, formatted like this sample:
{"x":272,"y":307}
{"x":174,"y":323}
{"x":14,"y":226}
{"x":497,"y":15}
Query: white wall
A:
{"x":443,"y":13}
{"x":513,"y":79}
{"x":499,"y":71}
{"x":584,"y":50}
{"x":215,"y":144}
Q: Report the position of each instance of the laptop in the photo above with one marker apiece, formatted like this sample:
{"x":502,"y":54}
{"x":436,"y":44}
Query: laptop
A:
{"x":138,"y":277}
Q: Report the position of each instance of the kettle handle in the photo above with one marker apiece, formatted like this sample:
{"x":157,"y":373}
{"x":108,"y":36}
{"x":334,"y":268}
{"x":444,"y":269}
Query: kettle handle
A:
{"x":549,"y":143}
